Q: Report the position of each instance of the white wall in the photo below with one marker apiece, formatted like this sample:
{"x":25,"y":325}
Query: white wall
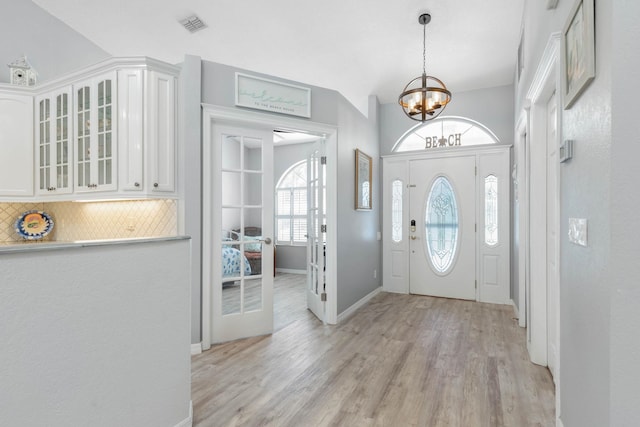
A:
{"x":624,"y":339}
{"x":96,"y":335}
{"x":52,"y":47}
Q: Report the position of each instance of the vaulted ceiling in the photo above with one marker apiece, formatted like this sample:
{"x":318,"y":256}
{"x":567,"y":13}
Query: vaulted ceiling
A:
{"x":356,"y":47}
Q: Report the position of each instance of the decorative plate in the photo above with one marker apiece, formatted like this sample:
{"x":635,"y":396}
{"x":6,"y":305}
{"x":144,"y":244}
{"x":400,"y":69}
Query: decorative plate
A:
{"x":34,"y":225}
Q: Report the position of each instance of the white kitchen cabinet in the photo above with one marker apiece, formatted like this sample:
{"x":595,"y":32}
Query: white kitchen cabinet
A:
{"x":131,"y":129}
{"x":161,"y":132}
{"x":95,"y":130}
{"x":147,"y":131}
{"x":109,"y":131}
{"x":53,"y":141}
{"x":16,"y":144}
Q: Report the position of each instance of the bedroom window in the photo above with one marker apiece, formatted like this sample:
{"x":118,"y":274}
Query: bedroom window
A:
{"x":291,"y":205}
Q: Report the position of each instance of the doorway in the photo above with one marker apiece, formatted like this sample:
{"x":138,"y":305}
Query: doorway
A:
{"x":300,"y":218}
{"x":543,"y":218}
{"x":250,"y":320}
{"x":446,"y":223}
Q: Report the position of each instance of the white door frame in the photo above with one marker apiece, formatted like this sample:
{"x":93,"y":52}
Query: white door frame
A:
{"x":546,"y":80}
{"x":522,"y":196}
{"x":237,"y":117}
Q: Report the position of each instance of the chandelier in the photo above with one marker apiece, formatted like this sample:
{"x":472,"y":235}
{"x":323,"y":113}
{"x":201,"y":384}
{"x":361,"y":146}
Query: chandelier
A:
{"x":426,"y":101}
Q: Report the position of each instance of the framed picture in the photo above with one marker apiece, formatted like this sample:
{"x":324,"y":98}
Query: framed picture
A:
{"x":578,"y":51}
{"x":270,"y":95}
{"x":363,"y":181}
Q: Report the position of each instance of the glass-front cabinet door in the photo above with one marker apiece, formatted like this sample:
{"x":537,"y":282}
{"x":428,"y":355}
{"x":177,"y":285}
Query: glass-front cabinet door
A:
{"x":95,"y":134}
{"x":53,"y":143}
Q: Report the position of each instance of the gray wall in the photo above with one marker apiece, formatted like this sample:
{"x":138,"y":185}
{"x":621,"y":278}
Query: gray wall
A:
{"x":190,"y":178}
{"x":624,"y":292}
{"x":102,"y":341}
{"x":586,"y":283}
{"x":493,"y":107}
{"x":359,"y":251}
{"x":52,"y":47}
{"x":218,"y":84}
{"x":356,"y":229}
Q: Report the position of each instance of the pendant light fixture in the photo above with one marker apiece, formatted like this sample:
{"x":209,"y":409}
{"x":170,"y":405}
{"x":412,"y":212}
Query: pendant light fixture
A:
{"x":426,"y":101}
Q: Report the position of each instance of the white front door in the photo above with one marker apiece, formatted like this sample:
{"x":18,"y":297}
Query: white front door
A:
{"x":316,"y":196}
{"x":553,"y":275}
{"x":242,"y":233}
{"x":442,"y":223}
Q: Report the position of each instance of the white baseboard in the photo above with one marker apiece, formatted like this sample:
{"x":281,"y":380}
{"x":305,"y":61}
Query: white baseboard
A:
{"x":349,"y":311}
{"x":522,"y":322}
{"x":290,"y":271}
{"x":187,"y":422}
{"x":515,"y":309}
{"x":196,"y":348}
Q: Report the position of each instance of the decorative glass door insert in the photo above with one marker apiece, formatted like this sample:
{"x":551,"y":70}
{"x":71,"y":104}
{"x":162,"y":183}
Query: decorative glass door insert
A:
{"x":441,"y":225}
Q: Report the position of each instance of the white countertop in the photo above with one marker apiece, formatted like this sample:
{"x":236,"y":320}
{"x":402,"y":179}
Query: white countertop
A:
{"x":31,"y":246}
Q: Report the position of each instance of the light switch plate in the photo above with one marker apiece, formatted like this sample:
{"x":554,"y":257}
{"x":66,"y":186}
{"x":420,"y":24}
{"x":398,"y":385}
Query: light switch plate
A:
{"x":578,"y":231}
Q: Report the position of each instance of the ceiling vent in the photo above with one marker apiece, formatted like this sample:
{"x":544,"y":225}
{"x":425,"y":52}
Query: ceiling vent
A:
{"x":193,"y":24}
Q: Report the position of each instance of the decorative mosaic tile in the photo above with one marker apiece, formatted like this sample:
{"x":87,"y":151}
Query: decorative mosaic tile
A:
{"x":97,"y":220}
{"x":9,"y":213}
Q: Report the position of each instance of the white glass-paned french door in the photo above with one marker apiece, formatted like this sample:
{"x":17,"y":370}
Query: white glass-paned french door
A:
{"x":242,"y":229}
{"x":316,"y":223}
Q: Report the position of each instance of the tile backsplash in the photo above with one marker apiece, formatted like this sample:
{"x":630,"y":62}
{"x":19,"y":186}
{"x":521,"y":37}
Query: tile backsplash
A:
{"x":96,"y":220}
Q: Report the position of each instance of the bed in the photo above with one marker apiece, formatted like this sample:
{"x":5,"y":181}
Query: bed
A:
{"x":232,"y":262}
{"x":252,"y":246}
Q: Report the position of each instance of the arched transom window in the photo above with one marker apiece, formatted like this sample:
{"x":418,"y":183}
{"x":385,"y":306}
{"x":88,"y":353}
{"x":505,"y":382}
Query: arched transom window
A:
{"x":291,"y":205}
{"x":445,"y":132}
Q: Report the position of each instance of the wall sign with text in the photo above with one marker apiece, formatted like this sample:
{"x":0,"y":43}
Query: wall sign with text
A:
{"x":452,"y":140}
{"x":269,"y":95}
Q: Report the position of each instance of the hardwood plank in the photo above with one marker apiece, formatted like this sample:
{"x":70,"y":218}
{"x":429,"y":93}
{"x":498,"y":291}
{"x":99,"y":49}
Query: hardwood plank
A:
{"x":401,"y":360}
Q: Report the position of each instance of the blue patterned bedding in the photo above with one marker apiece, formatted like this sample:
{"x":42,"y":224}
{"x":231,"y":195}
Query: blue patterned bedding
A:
{"x":231,"y":259}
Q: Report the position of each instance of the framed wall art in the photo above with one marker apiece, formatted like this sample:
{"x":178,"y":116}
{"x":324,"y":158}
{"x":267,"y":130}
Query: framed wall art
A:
{"x":578,"y":51}
{"x":363,"y":182}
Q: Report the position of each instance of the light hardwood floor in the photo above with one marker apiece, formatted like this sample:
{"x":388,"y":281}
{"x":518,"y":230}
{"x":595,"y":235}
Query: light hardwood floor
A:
{"x":401,"y":360}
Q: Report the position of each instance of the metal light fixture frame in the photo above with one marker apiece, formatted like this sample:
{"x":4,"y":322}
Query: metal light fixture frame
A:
{"x":415,"y":100}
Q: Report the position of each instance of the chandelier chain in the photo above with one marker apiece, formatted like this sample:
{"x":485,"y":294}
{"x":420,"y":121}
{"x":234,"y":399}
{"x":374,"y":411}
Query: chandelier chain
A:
{"x":424,"y":48}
